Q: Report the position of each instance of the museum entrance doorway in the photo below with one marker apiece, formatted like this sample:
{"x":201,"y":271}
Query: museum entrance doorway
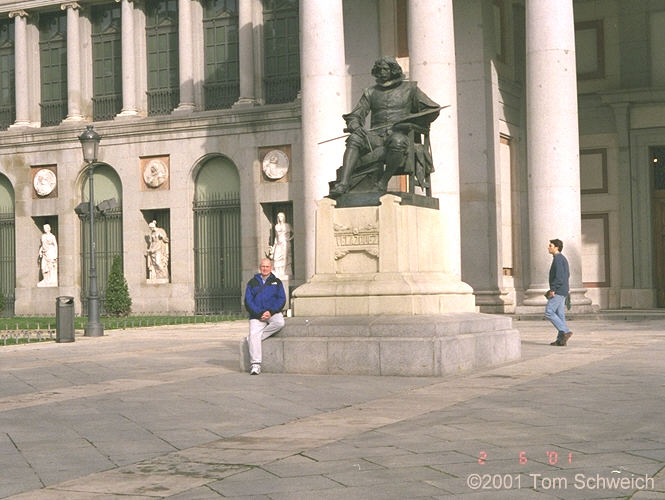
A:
{"x":658,"y":203}
{"x":217,"y":253}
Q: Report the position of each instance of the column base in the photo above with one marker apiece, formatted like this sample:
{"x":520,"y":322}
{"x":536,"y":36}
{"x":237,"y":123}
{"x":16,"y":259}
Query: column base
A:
{"x":495,"y":301}
{"x":535,"y":301}
{"x":127,"y":113}
{"x":536,"y":297}
{"x":184,"y":108}
{"x":74,"y":118}
{"x":22,"y":124}
{"x":246,"y":102}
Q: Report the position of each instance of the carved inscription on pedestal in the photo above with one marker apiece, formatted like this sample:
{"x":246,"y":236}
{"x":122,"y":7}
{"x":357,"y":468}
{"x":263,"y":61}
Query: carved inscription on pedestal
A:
{"x":356,"y":239}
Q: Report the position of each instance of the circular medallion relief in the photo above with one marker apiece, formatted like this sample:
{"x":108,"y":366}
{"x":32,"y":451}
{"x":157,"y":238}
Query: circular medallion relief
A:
{"x":275,"y":164}
{"x":155,"y":173}
{"x":44,"y":182}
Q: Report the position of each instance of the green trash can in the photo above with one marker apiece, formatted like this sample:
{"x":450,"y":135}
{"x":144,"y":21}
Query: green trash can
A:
{"x":64,"y":319}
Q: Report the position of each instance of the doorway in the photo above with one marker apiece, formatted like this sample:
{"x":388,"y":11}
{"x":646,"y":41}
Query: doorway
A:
{"x":657,"y":157}
{"x":217,"y":252}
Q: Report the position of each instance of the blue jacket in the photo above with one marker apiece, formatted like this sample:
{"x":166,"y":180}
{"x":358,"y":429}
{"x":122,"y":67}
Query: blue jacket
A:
{"x":559,"y":274}
{"x":260,"y":297}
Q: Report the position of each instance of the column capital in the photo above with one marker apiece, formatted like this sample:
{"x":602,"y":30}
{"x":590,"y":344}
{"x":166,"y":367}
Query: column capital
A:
{"x":72,"y":5}
{"x":18,"y":13}
{"x":120,"y":1}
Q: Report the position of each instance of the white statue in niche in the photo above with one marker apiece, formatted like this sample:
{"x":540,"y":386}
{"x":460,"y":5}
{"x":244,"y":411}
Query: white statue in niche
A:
{"x":48,"y":258}
{"x":280,"y":251}
{"x":158,"y":254}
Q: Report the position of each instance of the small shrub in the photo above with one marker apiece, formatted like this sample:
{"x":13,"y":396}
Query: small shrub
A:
{"x":117,"y":301}
{"x":2,"y":303}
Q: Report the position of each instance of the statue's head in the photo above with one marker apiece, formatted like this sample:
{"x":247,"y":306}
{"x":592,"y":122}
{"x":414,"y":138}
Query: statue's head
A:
{"x":387,"y":68}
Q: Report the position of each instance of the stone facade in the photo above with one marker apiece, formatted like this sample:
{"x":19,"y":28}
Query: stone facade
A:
{"x":511,"y":170}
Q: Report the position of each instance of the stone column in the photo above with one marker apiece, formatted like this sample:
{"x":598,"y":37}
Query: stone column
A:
{"x":552,"y":146}
{"x":246,"y":53}
{"x":21,"y":68}
{"x":73,"y":62}
{"x":432,"y":65}
{"x":323,"y":81}
{"x":128,"y":61}
{"x":258,"y":39}
{"x":185,"y":56}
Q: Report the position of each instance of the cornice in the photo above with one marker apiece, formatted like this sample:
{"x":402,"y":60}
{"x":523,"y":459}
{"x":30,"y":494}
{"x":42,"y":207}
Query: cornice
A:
{"x":261,"y":119}
{"x":35,"y":5}
{"x":8,"y":6}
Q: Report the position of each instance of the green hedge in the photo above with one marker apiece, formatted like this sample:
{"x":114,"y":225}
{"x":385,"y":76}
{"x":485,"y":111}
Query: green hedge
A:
{"x":48,"y":323}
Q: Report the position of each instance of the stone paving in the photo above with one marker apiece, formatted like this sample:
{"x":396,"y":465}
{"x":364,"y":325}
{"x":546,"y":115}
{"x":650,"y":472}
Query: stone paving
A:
{"x":165,"y":413}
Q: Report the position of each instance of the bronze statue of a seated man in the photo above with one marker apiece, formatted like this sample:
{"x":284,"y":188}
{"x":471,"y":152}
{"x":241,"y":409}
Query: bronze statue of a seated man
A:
{"x":397,"y":107}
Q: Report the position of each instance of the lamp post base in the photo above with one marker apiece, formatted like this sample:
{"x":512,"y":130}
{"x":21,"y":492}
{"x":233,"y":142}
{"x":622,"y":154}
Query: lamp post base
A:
{"x":94,"y":330}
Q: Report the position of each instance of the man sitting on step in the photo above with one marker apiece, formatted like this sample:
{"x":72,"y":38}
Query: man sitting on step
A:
{"x":264,"y":300}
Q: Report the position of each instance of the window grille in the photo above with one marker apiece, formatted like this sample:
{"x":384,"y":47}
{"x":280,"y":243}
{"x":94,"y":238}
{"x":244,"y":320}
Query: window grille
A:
{"x":282,"y":52}
{"x":108,"y":244}
{"x":107,"y":61}
{"x":162,"y":46}
{"x":7,"y":90}
{"x":217,"y":254}
{"x":7,"y":115}
{"x":7,"y":260}
{"x":220,"y":26}
{"x":53,"y":60}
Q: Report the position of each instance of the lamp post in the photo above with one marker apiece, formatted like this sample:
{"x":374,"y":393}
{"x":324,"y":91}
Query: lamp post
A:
{"x":90,"y":143}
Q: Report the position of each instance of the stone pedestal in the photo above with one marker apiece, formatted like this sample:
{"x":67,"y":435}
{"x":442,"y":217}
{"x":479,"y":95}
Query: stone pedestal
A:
{"x":417,"y":346}
{"x":384,"y":259}
{"x":382,"y":301}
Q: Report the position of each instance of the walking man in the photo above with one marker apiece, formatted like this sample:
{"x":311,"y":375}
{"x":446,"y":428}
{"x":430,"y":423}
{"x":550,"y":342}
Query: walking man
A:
{"x":556,"y":295}
{"x":264,"y":300}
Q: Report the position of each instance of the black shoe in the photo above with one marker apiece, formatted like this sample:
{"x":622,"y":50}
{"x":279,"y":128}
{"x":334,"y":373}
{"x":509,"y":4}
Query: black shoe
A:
{"x":564,"y":339}
{"x":559,"y":337}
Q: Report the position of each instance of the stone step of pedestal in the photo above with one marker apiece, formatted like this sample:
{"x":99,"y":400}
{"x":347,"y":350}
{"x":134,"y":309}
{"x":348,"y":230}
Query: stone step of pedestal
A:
{"x":426,"y":346}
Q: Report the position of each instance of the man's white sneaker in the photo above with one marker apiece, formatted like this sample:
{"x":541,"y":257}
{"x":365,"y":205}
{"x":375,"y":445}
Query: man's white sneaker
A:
{"x":256,"y":369}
